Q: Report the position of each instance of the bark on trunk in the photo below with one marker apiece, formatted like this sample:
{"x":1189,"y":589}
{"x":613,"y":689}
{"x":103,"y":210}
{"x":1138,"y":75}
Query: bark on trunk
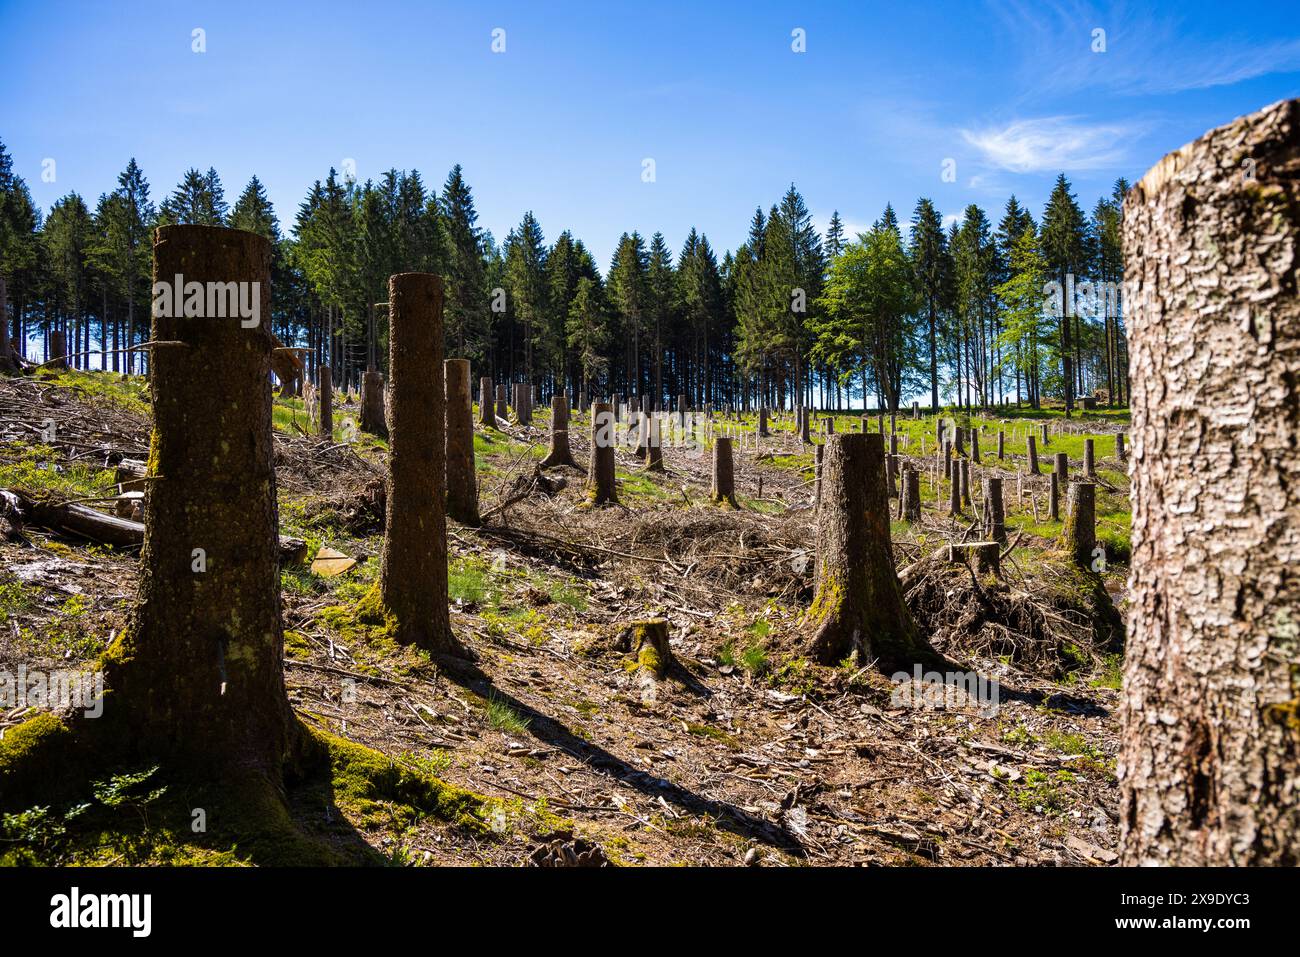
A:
{"x":197,"y":672}
{"x":1031,"y":465}
{"x":1210,"y":763}
{"x":411,"y":597}
{"x":1079,"y":537}
{"x":601,"y":485}
{"x":462,"y":484}
{"x":724,"y":476}
{"x":911,"y":502}
{"x":325,"y":402}
{"x":373,"y":419}
{"x":859,"y":607}
{"x":486,"y":416}
{"x":995,"y":522}
{"x":560,"y":453}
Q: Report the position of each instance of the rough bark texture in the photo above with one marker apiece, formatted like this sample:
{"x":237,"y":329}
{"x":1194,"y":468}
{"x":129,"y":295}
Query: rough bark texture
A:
{"x":413,"y":565}
{"x":984,"y":554}
{"x":58,"y":350}
{"x":762,"y":421}
{"x":601,"y":486}
{"x":1079,"y":537}
{"x":1119,"y":447}
{"x":1054,"y":499}
{"x":1002,"y":444}
{"x":462,"y":484}
{"x":911,"y":503}
{"x":559,"y":453}
{"x":724,"y":476}
{"x":654,"y":448}
{"x":1032,"y":455}
{"x":1062,"y":469}
{"x":325,"y":402}
{"x":859,"y":607}
{"x":523,"y":403}
{"x":373,"y":419}
{"x":503,"y":412}
{"x":486,"y":414}
{"x":995,"y":520}
{"x":1210,"y":764}
{"x":196,"y":674}
{"x":954,"y":489}
{"x":1089,"y":463}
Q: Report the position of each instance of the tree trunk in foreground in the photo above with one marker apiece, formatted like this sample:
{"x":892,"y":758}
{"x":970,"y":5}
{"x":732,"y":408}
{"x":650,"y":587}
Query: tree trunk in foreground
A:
{"x":601,"y":486}
{"x":197,"y":672}
{"x":858,"y":608}
{"x":462,"y":484}
{"x":1210,"y":764}
{"x":413,"y":565}
{"x":560,"y":454}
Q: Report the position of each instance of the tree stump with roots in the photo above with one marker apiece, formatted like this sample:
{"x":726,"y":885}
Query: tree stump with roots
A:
{"x":858,"y":608}
{"x":559,"y":453}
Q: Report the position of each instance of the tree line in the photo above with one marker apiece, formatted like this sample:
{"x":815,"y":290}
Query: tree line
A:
{"x":970,"y":315}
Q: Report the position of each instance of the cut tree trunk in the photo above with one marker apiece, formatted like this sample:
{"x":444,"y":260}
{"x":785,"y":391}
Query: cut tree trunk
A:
{"x":462,"y":485}
{"x":503,"y":412}
{"x":1002,"y":444}
{"x":601,"y":484}
{"x":724,"y":476}
{"x":985,"y":555}
{"x":1089,"y":466}
{"x":58,"y":350}
{"x":858,"y":608}
{"x":1031,"y":465}
{"x":1054,"y":498}
{"x":1210,"y":762}
{"x":911,"y":503}
{"x":486,"y":417}
{"x":373,"y":419}
{"x":654,"y":447}
{"x":995,"y":522}
{"x":412,"y":588}
{"x":559,"y":453}
{"x":196,"y":673}
{"x":325,"y":402}
{"x":1079,"y":537}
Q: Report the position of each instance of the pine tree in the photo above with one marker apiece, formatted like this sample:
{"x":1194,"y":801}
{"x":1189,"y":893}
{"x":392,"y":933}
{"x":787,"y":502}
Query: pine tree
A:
{"x":526,"y":278}
{"x":1065,"y":246}
{"x":468,"y":320}
{"x":930,"y":262}
{"x":253,"y":212}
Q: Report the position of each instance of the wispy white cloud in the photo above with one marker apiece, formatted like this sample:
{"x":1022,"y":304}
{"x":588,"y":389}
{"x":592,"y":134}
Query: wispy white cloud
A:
{"x":1144,"y":54}
{"x":1052,"y":143}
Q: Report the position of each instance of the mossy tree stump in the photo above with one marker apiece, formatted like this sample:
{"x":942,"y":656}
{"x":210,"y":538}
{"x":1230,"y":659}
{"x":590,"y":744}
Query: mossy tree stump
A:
{"x":601,"y":483}
{"x":410,"y":599}
{"x":858,"y":608}
{"x":462,"y":483}
{"x":649,"y":643}
{"x":559,"y":453}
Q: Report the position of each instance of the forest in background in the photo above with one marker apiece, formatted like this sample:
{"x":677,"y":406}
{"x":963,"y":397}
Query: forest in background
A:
{"x":957,"y":316}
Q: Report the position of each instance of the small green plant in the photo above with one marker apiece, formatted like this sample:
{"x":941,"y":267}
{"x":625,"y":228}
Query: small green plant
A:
{"x":503,"y":717}
{"x":127,"y":790}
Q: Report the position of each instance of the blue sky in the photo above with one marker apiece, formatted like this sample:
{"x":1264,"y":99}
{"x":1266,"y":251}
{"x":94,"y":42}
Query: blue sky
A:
{"x":562,"y":120}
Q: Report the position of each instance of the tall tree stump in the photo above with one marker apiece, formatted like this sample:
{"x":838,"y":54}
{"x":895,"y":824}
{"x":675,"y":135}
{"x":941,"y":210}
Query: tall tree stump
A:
{"x":601,"y":485}
{"x":1054,"y":498}
{"x":910,"y":506}
{"x":486,"y":414}
{"x":1046,"y":440}
{"x":1002,"y":444}
{"x":325,"y":402}
{"x":523,"y":414}
{"x":762,"y":421}
{"x":503,"y":411}
{"x":373,"y":419}
{"x":58,"y":350}
{"x":410,"y":600}
{"x":462,"y":481}
{"x":858,"y":608}
{"x":1079,"y":537}
{"x":819,"y":454}
{"x":803,"y":426}
{"x":954,"y":490}
{"x":995,"y":520}
{"x":1031,"y":464}
{"x":1089,"y":464}
{"x":654,"y":450}
{"x":974,"y":445}
{"x":724,"y":476}
{"x":891,"y":474}
{"x":1119,"y":447}
{"x":197,"y":672}
{"x":1062,"y":469}
{"x":1210,"y":764}
{"x":559,"y":453}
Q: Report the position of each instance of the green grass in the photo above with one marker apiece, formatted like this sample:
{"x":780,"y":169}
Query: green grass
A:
{"x":109,"y":389}
{"x":503,"y":717}
{"x":35,"y":469}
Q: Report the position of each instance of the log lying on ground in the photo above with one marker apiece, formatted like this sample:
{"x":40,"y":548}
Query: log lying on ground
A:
{"x":71,"y":518}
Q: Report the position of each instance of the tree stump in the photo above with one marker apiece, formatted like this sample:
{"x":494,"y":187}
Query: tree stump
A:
{"x":724,"y":476}
{"x":803,"y":426}
{"x":601,"y":485}
{"x":1031,"y":465}
{"x":410,"y":600}
{"x":503,"y":411}
{"x":654,"y":447}
{"x":762,"y":421}
{"x":995,"y":522}
{"x":965,"y":484}
{"x":1062,"y":469}
{"x":1210,"y":765}
{"x":828,"y":426}
{"x":325,"y":402}
{"x":521,"y":400}
{"x":1002,"y":444}
{"x":1119,"y":447}
{"x":891,"y":472}
{"x":819,"y":453}
{"x":462,"y":482}
{"x":1046,"y":440}
{"x":974,"y":445}
{"x":486,"y":414}
{"x":985,"y":555}
{"x":1089,"y":466}
{"x":858,"y":608}
{"x":559,"y":453}
{"x":372,"y":404}
{"x":197,"y":674}
{"x":954,"y":490}
{"x":58,"y":350}
{"x":1079,"y":537}
{"x":947,"y":459}
{"x":1054,"y":498}
{"x":649,"y":643}
{"x":911,"y":500}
